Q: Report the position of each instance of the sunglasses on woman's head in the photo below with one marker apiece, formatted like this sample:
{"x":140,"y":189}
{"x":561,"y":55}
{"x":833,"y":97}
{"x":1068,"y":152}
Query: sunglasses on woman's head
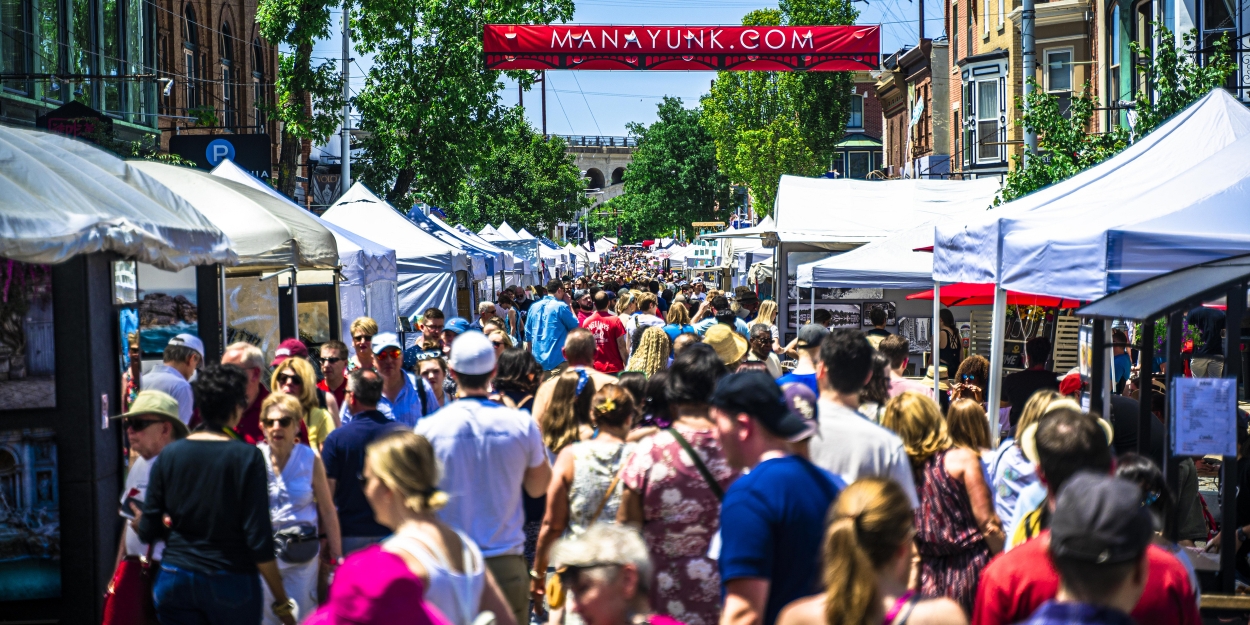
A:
{"x":498,"y":343}
{"x":282,"y":422}
{"x":287,"y":378}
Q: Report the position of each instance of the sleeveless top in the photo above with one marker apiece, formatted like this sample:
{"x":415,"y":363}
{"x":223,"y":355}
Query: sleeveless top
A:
{"x":949,"y":350}
{"x":945,"y":524}
{"x":457,"y":594}
{"x":595,"y":463}
{"x":291,"y":491}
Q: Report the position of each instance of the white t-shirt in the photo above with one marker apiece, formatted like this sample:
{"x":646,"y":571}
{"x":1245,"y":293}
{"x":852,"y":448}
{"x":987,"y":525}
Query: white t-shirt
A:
{"x":137,"y":487}
{"x":484,"y":449}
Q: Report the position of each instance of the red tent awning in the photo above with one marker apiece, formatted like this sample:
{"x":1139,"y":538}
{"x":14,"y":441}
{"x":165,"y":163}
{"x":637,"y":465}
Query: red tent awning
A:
{"x":965,"y":294}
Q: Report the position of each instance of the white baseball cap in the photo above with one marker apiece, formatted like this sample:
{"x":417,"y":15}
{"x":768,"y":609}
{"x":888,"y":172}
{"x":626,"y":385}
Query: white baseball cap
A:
{"x":472,"y":354}
{"x":189,"y":340}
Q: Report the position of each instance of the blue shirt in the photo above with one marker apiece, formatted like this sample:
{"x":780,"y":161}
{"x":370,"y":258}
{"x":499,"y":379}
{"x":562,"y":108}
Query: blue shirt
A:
{"x":548,"y":323}
{"x":166,"y":379}
{"x":1056,"y":613}
{"x":1123,"y":367}
{"x":344,"y":456}
{"x":808,"y":379}
{"x":406,"y":408}
{"x":739,"y":325}
{"x":772,"y":527}
{"x":673,"y":330}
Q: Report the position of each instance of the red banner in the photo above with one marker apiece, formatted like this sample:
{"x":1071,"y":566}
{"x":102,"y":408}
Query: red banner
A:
{"x":737,"y":48}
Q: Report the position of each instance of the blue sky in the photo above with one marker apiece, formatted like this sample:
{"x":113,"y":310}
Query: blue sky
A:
{"x":602,"y":103}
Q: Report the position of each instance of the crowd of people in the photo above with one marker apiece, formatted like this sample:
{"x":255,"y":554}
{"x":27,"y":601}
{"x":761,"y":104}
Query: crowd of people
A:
{"x":627,"y":447}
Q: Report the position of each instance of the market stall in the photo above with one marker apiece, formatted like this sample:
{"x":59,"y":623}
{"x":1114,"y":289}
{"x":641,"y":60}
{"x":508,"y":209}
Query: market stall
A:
{"x":75,"y":221}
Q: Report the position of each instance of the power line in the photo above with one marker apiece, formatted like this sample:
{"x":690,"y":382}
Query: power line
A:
{"x":592,"y":111}
{"x":566,"y":113}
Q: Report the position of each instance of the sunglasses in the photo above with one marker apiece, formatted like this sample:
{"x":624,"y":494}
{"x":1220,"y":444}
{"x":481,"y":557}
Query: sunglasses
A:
{"x":390,"y":354}
{"x":138,"y":425}
{"x":281,"y":421}
{"x":363,"y":338}
{"x":334,"y":360}
{"x":287,"y":378}
{"x":434,"y":328}
{"x":498,"y":343}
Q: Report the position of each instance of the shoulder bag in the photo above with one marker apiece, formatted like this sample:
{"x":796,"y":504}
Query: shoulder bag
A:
{"x":296,"y":544}
{"x":129,"y":597}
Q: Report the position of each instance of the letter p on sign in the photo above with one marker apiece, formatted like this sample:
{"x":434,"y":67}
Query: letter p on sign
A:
{"x":218,"y":150}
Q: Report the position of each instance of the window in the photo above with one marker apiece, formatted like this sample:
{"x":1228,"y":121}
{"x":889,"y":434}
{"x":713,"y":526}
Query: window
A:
{"x":1116,"y":40}
{"x":1059,"y":77}
{"x":1143,"y":34}
{"x":969,"y":88}
{"x":190,"y":43}
{"x":45,"y":35}
{"x":971,"y":28}
{"x":111,"y":56}
{"x":1219,"y":18}
{"x":954,"y":31}
{"x":856,"y":119}
{"x":858,"y":164}
{"x":80,"y":48}
{"x":985,"y":17}
{"x":227,"y":84}
{"x":987,"y":121}
{"x":188,"y":59}
{"x":1002,"y":14}
{"x":258,"y":77}
{"x":14,"y":42}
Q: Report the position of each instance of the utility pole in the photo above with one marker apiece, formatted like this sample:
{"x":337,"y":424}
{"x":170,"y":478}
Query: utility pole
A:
{"x":520,"y":95}
{"x":1029,"y":57}
{"x":345,"y":176}
{"x":544,"y":81}
{"x":920,"y":7}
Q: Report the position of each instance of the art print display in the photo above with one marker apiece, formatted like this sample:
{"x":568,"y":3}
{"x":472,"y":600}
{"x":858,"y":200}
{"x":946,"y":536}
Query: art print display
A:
{"x":252,"y":312}
{"x":30,"y":517}
{"x":918,"y":334}
{"x":167,"y":307}
{"x":857,"y":294}
{"x":844,"y":315}
{"x":888,"y":307}
{"x":27,"y":349}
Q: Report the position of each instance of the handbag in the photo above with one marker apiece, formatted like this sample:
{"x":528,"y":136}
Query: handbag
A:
{"x":555,"y":588}
{"x":698,"y":464}
{"x":296,"y":544}
{"x":129,"y":597}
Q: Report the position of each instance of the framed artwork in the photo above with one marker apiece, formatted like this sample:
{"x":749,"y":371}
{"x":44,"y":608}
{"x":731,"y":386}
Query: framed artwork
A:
{"x":167,"y":307}
{"x":27,"y":347}
{"x":890,"y":318}
{"x":30,"y":516}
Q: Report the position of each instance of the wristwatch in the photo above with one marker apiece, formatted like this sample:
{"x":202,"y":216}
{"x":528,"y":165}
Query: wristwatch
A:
{"x":1241,"y":534}
{"x":283,"y":608}
{"x":536,"y":575}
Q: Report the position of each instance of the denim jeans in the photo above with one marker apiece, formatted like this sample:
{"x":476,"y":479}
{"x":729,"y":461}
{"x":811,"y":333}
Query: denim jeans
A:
{"x":219,"y":598}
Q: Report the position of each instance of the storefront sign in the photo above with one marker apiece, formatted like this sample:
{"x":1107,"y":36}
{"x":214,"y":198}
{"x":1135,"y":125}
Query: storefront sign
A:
{"x":76,"y":120}
{"x":685,"y":48}
{"x":251,"y":152}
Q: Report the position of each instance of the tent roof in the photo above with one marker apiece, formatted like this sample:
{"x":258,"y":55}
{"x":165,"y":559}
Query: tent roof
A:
{"x":265,"y":232}
{"x":60,"y":197}
{"x":1178,"y":290}
{"x":845,"y":213}
{"x":366,"y":214}
{"x":967,"y":250}
{"x":525,"y":235}
{"x":507,"y":231}
{"x":469,"y":238}
{"x":363,"y":261}
{"x":763,"y":228}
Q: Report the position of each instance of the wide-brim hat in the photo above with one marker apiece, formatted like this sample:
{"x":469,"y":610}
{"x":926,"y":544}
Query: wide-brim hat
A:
{"x":729,"y":345}
{"x":1028,"y":438}
{"x":156,"y":404}
{"x":944,"y":384}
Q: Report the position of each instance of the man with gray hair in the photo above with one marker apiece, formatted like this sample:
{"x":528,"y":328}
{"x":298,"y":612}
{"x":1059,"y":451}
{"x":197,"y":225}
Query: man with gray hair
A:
{"x":183,"y":355}
{"x":608,"y":572}
{"x":485,"y":312}
{"x":251,"y":360}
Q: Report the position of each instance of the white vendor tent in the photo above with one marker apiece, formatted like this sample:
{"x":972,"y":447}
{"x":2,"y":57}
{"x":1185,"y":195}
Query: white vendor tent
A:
{"x":266,"y":233}
{"x":966,"y":251}
{"x":889,"y":263}
{"x":369,"y":285}
{"x":60,"y":197}
{"x":427,"y":266}
{"x":508,"y":232}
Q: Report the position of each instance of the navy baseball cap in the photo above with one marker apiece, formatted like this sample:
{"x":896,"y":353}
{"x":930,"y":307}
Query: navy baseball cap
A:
{"x":1099,"y":519}
{"x":757,"y":394}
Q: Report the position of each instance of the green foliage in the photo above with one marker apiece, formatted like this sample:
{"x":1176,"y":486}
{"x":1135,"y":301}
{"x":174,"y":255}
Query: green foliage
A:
{"x":148,"y":147}
{"x":1064,"y":144}
{"x":527,"y":181}
{"x":430,"y":103}
{"x":766,"y":124}
{"x":673,"y":179}
{"x":203,"y":115}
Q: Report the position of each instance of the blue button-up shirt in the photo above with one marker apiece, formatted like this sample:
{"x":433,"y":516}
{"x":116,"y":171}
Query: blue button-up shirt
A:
{"x":167,"y":379}
{"x":701,"y":327}
{"x":406,"y":407}
{"x":548,"y":323}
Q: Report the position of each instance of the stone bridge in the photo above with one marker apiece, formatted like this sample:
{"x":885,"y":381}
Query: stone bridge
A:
{"x":602,"y":160}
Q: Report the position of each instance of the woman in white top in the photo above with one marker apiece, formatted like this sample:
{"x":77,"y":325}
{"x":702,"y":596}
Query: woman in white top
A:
{"x":298,"y":490}
{"x":401,"y":480}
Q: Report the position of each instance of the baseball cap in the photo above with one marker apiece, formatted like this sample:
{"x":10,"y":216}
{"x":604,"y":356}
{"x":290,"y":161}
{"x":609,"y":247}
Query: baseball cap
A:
{"x":1099,"y":519}
{"x":383,"y":340}
{"x":189,"y":340}
{"x":757,"y":394}
{"x":459,"y":325}
{"x":292,"y":348}
{"x":811,"y":335}
{"x":157,"y":404}
{"x":580,"y":293}
{"x":729,"y":345}
{"x":472,"y":354}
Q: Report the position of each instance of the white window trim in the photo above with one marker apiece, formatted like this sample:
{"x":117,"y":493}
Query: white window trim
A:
{"x":1002,"y":14}
{"x":986,"y":18}
{"x":996,"y":117}
{"x":862,"y":102}
{"x":1071,"y":68}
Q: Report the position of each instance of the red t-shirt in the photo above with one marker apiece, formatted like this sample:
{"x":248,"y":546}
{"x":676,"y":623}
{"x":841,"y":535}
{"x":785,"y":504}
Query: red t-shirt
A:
{"x":606,"y":330}
{"x":249,"y":426}
{"x":340,"y":393}
{"x":1019,"y":581}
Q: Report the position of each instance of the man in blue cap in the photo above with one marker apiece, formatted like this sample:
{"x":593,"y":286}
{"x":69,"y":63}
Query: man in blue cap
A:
{"x":406,"y":398}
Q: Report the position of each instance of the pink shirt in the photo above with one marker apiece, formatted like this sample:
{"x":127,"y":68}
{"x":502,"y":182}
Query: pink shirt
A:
{"x":899,"y":384}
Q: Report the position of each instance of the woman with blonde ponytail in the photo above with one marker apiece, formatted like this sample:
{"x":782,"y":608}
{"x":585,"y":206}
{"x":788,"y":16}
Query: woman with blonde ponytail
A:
{"x":867,"y":560}
{"x":401,"y":483}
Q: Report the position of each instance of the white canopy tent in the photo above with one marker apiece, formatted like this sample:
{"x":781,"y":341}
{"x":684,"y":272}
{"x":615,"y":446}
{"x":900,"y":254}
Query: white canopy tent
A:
{"x":508,"y":232}
{"x":369,"y":285}
{"x":765,"y":226}
{"x":427,"y":267}
{"x":60,"y":198}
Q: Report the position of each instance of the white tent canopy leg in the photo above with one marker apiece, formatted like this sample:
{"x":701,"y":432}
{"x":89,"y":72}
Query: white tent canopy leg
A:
{"x":935,"y":333}
{"x":998,"y":329}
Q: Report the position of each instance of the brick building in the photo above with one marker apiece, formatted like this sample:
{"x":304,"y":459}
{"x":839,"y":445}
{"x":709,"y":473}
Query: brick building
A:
{"x":913,"y":90}
{"x":859,"y":153}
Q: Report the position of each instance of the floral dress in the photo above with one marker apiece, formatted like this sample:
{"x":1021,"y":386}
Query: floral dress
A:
{"x":952,"y":550}
{"x":680,"y":516}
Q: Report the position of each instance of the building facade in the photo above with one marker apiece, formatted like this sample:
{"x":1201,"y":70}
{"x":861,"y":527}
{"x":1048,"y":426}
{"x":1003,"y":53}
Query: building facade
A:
{"x":859,"y":153}
{"x":156,"y":68}
{"x":913,"y":88}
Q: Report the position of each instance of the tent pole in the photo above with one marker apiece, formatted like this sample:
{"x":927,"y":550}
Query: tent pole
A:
{"x":225,"y":322}
{"x":295,"y":300}
{"x":812,"y":311}
{"x":997,"y":330}
{"x":1236,"y":300}
{"x":1145,"y":384}
{"x":1098,"y":369}
{"x":934,"y":333}
{"x":1171,"y":468}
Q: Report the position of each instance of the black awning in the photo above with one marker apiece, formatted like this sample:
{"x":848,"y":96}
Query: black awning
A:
{"x":1180,"y":290}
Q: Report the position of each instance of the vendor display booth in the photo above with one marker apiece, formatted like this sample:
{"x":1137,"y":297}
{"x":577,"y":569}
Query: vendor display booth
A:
{"x":1200,"y":414}
{"x":74,"y":223}
{"x":1136,"y":215}
{"x":275,"y":241}
{"x":527,"y":265}
{"x":431,"y":273}
{"x":484,"y":260}
{"x":364,"y":284}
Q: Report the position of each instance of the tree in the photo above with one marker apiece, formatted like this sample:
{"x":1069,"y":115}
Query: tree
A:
{"x":776,"y":149}
{"x":1172,"y":80}
{"x":526,"y":180}
{"x":821,"y":99}
{"x":309,"y":98}
{"x":673,"y":179}
{"x":430,"y":105}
